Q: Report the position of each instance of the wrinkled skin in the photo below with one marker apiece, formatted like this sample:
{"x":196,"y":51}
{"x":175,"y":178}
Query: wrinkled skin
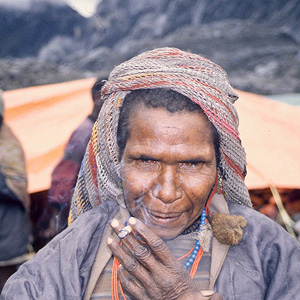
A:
{"x":150,"y":271}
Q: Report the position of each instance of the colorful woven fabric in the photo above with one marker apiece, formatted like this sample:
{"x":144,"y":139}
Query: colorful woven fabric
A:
{"x":189,"y":74}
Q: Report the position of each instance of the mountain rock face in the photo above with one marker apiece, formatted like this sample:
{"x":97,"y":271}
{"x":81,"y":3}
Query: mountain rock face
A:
{"x":256,"y":42}
{"x":24,"y":33}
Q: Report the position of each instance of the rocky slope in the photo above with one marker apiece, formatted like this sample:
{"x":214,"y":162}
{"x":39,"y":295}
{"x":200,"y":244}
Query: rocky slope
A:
{"x":256,"y":42}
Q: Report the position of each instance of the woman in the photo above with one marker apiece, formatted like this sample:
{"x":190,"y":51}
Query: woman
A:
{"x":171,"y":219}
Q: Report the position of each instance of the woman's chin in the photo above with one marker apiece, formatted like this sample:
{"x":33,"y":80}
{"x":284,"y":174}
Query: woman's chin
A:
{"x":165,"y":226}
{"x":166,"y":233}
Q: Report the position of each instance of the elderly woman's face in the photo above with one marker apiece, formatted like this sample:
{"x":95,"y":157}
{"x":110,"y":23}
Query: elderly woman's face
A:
{"x":168,"y":168}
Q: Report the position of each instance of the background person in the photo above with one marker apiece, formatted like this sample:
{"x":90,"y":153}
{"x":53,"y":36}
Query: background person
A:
{"x":64,"y":175}
{"x":15,"y":224}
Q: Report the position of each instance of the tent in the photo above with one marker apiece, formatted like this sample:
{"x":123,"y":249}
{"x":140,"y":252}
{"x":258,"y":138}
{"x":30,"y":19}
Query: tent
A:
{"x":44,"y":117}
{"x":270,"y":133}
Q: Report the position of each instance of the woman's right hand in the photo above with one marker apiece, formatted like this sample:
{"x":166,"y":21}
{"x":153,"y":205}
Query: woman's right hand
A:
{"x":149,"y":271}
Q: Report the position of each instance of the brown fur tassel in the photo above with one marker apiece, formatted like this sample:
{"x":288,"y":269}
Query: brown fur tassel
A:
{"x":227,"y":229}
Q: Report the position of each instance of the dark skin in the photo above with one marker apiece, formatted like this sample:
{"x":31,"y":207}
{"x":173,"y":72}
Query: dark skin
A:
{"x":168,"y":169}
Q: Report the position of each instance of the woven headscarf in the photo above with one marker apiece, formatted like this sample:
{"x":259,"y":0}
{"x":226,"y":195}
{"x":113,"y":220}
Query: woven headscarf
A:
{"x":189,"y":74}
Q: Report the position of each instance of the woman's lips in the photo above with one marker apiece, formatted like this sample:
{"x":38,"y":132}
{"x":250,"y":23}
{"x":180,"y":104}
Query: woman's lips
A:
{"x":163,"y":218}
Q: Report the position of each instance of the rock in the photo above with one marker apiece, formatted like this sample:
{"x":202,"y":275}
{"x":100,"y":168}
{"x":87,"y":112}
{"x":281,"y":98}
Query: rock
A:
{"x":256,"y":42}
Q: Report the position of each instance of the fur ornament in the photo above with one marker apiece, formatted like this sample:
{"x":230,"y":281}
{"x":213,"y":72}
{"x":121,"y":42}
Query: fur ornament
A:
{"x":227,"y":229}
{"x":204,"y":237}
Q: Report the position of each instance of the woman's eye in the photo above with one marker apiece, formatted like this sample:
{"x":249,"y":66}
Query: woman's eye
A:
{"x":147,"y":165}
{"x":147,"y":161}
{"x":192,"y":164}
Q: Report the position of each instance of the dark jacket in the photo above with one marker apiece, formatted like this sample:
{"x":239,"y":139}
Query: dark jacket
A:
{"x":264,"y":265}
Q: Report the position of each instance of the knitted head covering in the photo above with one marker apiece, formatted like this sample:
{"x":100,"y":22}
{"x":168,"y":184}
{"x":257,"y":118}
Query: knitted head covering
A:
{"x":189,"y":74}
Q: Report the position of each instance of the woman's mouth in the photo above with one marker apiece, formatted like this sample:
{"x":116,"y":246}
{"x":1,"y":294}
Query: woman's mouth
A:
{"x":159,"y":218}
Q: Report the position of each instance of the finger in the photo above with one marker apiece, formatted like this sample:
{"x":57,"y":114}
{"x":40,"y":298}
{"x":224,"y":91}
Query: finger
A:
{"x":130,"y":263}
{"x":131,"y":286}
{"x":117,"y":250}
{"x":207,"y":293}
{"x":156,"y":244}
{"x":130,"y":239}
{"x":141,"y":253}
{"x":117,"y":227}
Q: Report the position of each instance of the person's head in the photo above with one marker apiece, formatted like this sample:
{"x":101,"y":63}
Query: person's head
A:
{"x":96,"y":97}
{"x":174,"y":106}
{"x":169,"y":153}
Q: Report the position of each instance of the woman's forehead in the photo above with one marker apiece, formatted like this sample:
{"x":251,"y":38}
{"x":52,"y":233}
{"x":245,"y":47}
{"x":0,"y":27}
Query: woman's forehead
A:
{"x":155,"y":127}
{"x":169,"y":121}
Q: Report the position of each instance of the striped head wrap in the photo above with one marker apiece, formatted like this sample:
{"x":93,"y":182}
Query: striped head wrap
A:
{"x":189,"y":74}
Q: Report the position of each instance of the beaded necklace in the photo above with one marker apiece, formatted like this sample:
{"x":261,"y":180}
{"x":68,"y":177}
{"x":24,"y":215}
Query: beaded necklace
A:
{"x":197,"y":247}
{"x":192,"y":228}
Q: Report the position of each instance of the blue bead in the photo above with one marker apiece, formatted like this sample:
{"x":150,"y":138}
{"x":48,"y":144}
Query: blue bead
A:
{"x":197,"y":244}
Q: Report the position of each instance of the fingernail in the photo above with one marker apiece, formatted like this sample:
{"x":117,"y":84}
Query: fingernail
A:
{"x":109,"y":241}
{"x":207,"y":293}
{"x":114,"y":223}
{"x":132,"y":221}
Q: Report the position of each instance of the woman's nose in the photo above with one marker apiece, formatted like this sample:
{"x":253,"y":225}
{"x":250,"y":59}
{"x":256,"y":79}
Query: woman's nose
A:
{"x":167,"y":187}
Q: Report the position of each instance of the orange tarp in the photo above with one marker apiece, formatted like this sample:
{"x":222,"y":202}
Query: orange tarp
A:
{"x":44,"y":117}
{"x":270,"y":133}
